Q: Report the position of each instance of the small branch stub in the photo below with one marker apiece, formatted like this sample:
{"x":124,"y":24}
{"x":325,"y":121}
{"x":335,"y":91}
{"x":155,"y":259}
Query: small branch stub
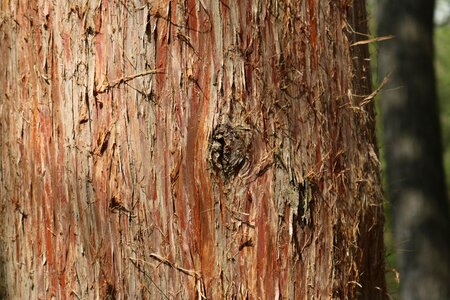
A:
{"x":228,"y":150}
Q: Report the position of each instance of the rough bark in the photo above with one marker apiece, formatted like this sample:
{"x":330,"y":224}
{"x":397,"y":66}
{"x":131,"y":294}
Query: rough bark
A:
{"x":412,"y":141}
{"x":188,"y":149}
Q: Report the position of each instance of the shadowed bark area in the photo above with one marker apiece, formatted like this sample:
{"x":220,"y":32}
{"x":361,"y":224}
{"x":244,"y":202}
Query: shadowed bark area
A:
{"x":188,"y":149}
{"x":412,"y":141}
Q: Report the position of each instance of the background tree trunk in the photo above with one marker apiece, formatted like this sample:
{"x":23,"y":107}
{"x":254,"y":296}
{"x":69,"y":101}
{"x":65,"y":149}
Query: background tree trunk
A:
{"x":413,"y":149}
{"x":181,"y":149}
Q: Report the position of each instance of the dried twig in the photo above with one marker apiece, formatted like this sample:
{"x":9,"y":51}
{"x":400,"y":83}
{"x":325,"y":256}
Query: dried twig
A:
{"x":135,"y":263}
{"x":377,"y":39}
{"x":374,"y":93}
{"x":175,"y":266}
{"x":106,"y":85}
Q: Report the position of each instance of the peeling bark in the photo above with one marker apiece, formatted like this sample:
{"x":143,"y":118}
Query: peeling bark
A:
{"x":188,"y":149}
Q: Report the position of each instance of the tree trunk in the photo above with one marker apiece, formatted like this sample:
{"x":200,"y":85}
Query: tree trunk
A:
{"x":413,"y":149}
{"x":188,"y":149}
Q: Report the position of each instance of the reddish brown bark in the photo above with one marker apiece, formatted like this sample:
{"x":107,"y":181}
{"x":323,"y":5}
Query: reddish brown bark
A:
{"x":185,"y":149}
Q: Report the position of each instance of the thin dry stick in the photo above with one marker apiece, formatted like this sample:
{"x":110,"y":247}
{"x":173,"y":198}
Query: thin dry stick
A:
{"x":134,"y":261}
{"x":374,"y":93}
{"x":174,"y":265}
{"x":106,"y":86}
{"x":377,"y":39}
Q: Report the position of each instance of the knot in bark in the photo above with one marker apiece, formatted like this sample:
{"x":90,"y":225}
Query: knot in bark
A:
{"x":228,"y":150}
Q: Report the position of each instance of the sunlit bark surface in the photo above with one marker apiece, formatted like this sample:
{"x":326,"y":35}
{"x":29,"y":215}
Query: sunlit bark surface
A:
{"x":188,"y":149}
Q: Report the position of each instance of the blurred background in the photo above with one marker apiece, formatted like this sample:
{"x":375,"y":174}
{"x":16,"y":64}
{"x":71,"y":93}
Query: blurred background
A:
{"x":442,"y":65}
{"x":442,"y":69}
